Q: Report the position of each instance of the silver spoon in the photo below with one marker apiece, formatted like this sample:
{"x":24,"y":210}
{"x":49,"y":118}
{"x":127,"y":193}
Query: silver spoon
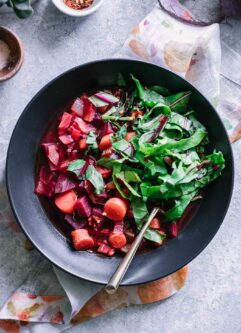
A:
{"x":117,"y":277}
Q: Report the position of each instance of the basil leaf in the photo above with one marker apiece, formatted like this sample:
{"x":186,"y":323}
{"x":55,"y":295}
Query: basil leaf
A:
{"x":177,"y":175}
{"x":153,"y":134}
{"x":115,"y":173}
{"x":150,"y":124}
{"x":91,"y":141}
{"x":109,"y":163}
{"x":151,"y":192}
{"x":179,"y":102}
{"x":158,"y":109}
{"x":148,"y":96}
{"x":173,"y":132}
{"x":180,"y":205}
{"x":76,"y":166}
{"x":181,"y":145}
{"x":132,"y":176}
{"x":188,"y":157}
{"x":121,"y":133}
{"x":181,"y":121}
{"x":127,"y":177}
{"x":140,"y":213}
{"x":95,"y":178}
{"x":124,"y":147}
{"x":161,"y":90}
{"x":154,"y":236}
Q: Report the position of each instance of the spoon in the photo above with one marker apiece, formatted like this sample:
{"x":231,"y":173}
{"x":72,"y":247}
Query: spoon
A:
{"x":117,"y":277}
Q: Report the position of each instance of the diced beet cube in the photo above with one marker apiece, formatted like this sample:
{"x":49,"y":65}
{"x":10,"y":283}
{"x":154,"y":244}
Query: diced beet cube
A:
{"x":99,"y":199}
{"x":83,"y":206}
{"x":70,"y":148}
{"x":105,"y":173}
{"x":89,"y":110}
{"x":47,"y":189}
{"x":97,"y":212}
{"x":84,"y":127}
{"x":105,"y":232}
{"x":66,"y":139}
{"x":52,"y":152}
{"x":64,"y":183}
{"x":64,"y":165}
{"x":103,"y":109}
{"x":74,"y":155}
{"x":103,"y":248}
{"x":64,"y":123}
{"x":74,"y":223}
{"x":45,"y":184}
{"x":105,"y":129}
{"x":75,"y":133}
{"x":78,"y":107}
{"x":88,"y":186}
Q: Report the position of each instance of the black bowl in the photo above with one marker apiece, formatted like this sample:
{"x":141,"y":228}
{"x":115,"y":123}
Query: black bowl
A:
{"x":38,"y":227}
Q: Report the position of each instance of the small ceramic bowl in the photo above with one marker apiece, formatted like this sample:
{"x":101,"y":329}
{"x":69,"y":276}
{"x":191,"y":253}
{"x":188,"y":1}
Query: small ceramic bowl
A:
{"x":77,"y":13}
{"x":15,"y":58}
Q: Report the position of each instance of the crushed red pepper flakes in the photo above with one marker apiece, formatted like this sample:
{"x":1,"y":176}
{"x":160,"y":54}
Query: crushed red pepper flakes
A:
{"x":78,"y":4}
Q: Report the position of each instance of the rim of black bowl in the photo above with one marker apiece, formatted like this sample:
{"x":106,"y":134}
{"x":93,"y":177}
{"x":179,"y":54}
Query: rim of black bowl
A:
{"x":128,"y":281}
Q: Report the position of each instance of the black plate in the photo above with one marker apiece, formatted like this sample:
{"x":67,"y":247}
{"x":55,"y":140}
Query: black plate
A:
{"x":35,"y":223}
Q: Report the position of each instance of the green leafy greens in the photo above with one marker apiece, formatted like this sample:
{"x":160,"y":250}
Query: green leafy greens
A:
{"x":95,"y":178}
{"x":165,"y":163}
{"x":90,"y":174}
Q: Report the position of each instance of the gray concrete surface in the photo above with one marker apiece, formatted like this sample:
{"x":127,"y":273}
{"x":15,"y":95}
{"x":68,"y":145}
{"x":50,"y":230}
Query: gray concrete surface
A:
{"x":211,"y":299}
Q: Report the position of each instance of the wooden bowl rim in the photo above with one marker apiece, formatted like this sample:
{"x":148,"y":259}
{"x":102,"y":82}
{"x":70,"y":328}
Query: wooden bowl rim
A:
{"x":19,"y":62}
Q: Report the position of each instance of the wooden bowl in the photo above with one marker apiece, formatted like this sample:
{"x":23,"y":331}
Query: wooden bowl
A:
{"x":16,"y":56}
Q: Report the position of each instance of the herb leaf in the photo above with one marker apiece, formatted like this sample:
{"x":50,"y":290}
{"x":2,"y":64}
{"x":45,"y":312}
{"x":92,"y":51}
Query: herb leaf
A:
{"x":181,"y":145}
{"x":179,"y":101}
{"x":149,"y":97}
{"x":76,"y":166}
{"x":179,"y":207}
{"x":91,"y":141}
{"x":127,"y":177}
{"x":124,"y":147}
{"x":140,"y":213}
{"x":95,"y":178}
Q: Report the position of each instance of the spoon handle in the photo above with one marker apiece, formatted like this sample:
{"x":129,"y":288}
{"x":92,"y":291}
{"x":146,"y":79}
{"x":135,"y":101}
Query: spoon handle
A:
{"x":117,"y":277}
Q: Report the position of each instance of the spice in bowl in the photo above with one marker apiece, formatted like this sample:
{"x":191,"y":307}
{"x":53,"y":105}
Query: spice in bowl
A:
{"x":11,"y":54}
{"x":78,"y":4}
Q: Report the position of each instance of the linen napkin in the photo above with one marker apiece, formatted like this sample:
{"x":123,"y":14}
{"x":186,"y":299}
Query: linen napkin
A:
{"x":51,"y":300}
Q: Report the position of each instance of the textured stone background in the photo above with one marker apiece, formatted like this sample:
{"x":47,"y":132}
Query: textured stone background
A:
{"x":211,"y":299}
